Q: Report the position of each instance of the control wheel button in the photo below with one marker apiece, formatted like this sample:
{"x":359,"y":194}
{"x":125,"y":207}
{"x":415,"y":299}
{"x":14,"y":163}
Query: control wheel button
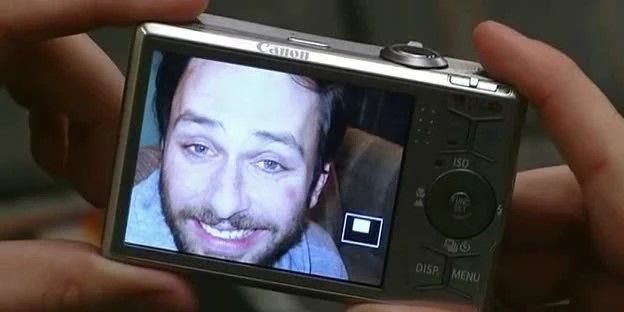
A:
{"x":428,"y":269}
{"x":465,"y":276}
{"x":460,"y":204}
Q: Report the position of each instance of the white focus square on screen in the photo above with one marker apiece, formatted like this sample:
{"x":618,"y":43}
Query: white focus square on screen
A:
{"x":361,"y":226}
{"x":362,"y":230}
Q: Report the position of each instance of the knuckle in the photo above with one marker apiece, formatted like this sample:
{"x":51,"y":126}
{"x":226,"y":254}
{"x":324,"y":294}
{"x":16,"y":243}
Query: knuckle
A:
{"x":67,"y":277}
{"x":64,"y":295}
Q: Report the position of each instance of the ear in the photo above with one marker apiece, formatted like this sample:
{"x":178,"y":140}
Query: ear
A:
{"x":320,"y":183}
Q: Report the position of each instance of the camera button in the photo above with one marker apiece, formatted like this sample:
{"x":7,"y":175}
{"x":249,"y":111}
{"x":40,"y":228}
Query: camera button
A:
{"x":475,"y":108}
{"x":460,"y":81}
{"x":458,"y":129}
{"x":465,"y":276}
{"x":460,"y":204}
{"x":413,"y":54}
{"x":309,"y":43}
{"x":413,"y":43}
{"x":487,"y":139}
{"x":453,"y":247}
{"x":488,"y":86}
{"x":428,"y":269}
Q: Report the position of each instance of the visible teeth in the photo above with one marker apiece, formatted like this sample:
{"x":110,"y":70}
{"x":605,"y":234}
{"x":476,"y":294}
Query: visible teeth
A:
{"x":237,"y":234}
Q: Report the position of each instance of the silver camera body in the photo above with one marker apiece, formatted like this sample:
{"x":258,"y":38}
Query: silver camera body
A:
{"x":421,"y":220}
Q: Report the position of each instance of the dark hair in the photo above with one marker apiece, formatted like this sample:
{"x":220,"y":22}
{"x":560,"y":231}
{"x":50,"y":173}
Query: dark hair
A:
{"x":332,"y":121}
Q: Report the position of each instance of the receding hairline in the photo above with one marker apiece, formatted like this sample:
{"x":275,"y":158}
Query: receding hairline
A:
{"x":307,"y":83}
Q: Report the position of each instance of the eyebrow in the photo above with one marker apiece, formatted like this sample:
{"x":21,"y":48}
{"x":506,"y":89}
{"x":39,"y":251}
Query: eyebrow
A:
{"x":195,"y":118}
{"x":280,"y":137}
{"x":283,"y":138}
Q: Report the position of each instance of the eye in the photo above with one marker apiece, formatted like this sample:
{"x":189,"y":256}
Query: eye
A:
{"x":199,"y":150}
{"x":270,"y":166}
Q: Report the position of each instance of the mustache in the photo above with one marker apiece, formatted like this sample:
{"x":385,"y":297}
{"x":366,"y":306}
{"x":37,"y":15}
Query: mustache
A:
{"x":240,"y":221}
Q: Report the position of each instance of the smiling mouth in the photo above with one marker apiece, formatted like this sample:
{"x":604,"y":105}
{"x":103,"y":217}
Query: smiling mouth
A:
{"x":233,"y":234}
{"x":226,"y":241}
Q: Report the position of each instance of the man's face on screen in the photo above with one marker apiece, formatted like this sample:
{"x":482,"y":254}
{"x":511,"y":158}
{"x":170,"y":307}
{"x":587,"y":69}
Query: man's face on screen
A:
{"x":238,"y":161}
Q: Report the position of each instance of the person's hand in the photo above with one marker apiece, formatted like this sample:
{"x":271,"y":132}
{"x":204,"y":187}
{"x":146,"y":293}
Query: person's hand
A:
{"x":73,"y":93}
{"x":70,"y":87}
{"x":564,"y":236}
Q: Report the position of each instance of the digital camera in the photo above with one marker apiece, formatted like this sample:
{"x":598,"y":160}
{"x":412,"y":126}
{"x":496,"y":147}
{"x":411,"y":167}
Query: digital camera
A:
{"x":312,"y":165}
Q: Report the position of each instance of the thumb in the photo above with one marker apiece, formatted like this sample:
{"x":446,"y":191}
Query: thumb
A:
{"x":70,"y":276}
{"x":582,"y":121}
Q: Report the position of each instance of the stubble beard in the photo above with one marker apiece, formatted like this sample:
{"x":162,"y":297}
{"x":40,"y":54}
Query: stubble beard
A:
{"x":280,"y":243}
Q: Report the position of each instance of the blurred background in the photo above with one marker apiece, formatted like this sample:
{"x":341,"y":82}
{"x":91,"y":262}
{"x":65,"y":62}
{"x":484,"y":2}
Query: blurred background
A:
{"x":34,"y":205}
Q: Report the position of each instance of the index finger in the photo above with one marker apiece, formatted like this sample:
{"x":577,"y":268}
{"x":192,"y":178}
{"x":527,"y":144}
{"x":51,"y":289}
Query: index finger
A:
{"x":35,"y":20}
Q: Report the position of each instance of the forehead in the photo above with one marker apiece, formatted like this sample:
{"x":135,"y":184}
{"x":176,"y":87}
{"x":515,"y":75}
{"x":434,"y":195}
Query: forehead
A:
{"x":212,"y":87}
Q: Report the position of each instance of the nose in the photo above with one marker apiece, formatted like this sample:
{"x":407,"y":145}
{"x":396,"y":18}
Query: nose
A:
{"x":226,"y":195}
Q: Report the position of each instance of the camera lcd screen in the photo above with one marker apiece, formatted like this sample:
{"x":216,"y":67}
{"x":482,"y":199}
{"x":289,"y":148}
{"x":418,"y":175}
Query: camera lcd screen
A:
{"x":267,"y":168}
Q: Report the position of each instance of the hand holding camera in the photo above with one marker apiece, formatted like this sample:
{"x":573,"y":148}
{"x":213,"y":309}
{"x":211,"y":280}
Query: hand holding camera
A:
{"x":546,"y":202}
{"x":72,"y":91}
{"x":561,"y":241}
